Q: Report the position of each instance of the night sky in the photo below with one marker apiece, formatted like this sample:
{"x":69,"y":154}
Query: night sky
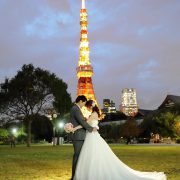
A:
{"x":133,"y":44}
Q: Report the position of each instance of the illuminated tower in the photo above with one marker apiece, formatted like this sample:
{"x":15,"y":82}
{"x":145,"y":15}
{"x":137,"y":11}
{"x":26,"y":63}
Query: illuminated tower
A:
{"x":129,"y":102}
{"x":84,"y":69}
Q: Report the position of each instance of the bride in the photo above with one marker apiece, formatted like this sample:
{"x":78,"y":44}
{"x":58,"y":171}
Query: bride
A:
{"x":98,"y":162}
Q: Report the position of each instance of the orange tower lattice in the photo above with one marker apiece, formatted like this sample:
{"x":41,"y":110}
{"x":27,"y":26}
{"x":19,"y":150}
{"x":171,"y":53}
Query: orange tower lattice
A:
{"x":84,"y":69}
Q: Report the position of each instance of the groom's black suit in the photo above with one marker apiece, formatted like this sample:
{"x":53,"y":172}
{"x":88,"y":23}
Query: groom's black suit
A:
{"x":76,"y":118}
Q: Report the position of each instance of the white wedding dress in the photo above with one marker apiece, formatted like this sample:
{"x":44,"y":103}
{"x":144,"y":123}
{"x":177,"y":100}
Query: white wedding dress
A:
{"x":98,"y":162}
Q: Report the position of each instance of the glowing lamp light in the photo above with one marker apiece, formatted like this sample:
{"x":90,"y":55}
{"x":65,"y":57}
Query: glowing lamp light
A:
{"x":14,"y":130}
{"x":61,"y":125}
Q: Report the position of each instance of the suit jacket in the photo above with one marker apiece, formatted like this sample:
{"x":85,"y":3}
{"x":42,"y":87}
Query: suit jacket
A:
{"x":76,"y":118}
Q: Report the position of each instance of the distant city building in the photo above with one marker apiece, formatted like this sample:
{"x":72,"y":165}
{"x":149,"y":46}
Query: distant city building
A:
{"x":120,"y":118}
{"x":108,"y":106}
{"x":129,"y":102}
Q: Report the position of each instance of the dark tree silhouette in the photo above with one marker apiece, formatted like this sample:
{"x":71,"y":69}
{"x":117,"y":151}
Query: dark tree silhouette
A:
{"x":42,"y":128}
{"x":31,"y":92}
{"x":130,"y":129}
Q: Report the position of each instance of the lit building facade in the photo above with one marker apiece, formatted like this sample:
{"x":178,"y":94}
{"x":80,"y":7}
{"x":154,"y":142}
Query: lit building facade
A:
{"x":108,"y":106}
{"x":84,"y":69}
{"x":129,"y":102}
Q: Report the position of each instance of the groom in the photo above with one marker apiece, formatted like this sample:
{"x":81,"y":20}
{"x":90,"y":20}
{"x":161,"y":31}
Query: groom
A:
{"x":76,"y":118}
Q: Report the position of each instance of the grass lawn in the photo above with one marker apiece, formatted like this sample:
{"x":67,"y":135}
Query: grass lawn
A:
{"x":54,"y":163}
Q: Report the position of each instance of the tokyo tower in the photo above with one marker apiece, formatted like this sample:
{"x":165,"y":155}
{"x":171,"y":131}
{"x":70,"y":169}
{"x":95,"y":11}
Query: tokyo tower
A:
{"x":84,"y":69}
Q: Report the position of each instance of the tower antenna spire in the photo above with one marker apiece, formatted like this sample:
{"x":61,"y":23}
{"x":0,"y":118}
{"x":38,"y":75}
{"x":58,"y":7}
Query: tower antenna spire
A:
{"x":83,"y":4}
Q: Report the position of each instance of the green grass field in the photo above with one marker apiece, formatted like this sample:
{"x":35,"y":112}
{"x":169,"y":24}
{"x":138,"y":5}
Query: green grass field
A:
{"x":54,"y":163}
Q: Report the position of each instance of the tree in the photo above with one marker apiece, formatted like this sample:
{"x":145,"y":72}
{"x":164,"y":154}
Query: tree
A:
{"x":42,"y":128}
{"x":104,"y":131}
{"x":176,"y":126}
{"x":163,"y":122}
{"x":130,"y":129}
{"x":149,"y":125}
{"x":31,"y":92}
{"x":114,"y":132}
{"x":3,"y":133}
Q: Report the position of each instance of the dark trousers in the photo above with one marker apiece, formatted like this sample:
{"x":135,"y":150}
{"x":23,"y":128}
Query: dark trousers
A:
{"x":77,"y":149}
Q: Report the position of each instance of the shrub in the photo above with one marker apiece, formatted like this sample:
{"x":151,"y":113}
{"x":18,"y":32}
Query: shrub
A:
{"x":178,"y":140}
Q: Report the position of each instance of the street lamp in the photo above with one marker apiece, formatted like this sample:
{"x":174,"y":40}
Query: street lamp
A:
{"x":60,"y":125}
{"x":12,"y":139}
{"x":52,"y":116}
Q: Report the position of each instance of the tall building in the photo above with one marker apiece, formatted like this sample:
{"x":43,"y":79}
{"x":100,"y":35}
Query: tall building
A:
{"x":108,"y":106}
{"x":129,"y":102}
{"x":84,"y":69}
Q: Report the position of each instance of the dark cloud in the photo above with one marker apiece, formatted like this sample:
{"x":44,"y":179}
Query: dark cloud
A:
{"x":133,"y":44}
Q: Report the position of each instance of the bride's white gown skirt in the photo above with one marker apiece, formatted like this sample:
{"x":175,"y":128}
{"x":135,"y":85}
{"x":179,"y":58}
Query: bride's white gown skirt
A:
{"x":98,"y":162}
